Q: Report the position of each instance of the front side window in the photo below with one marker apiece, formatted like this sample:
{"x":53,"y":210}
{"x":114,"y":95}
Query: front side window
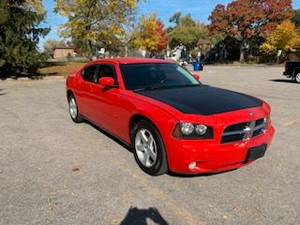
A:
{"x":159,"y":75}
{"x":106,"y":71}
{"x":88,"y":73}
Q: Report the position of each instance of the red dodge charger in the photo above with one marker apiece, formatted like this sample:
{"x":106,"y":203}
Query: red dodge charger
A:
{"x":171,"y":121}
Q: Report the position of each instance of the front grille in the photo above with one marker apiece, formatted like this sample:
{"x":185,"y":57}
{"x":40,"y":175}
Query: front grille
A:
{"x":244,"y":131}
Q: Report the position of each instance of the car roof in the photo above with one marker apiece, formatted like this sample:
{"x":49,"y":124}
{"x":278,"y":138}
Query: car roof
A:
{"x":134,"y":60}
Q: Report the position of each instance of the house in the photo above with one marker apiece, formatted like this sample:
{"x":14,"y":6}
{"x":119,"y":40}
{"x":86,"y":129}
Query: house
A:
{"x":178,"y":52}
{"x":63,"y":52}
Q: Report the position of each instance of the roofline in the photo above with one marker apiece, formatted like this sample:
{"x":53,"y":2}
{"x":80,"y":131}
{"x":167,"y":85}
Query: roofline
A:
{"x":138,"y":61}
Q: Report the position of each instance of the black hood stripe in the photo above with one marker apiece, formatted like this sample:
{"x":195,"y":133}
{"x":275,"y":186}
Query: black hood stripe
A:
{"x":203,"y":100}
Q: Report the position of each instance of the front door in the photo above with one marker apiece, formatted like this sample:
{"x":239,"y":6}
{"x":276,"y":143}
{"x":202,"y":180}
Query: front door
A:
{"x":84,"y":94}
{"x":107,"y":107}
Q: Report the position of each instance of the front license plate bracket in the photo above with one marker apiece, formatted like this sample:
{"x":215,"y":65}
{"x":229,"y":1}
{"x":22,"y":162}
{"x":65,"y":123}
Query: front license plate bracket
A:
{"x":256,"y":153}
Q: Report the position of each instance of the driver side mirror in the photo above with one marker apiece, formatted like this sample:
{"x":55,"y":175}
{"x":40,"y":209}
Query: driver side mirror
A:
{"x":196,"y":76}
{"x":107,"y":81}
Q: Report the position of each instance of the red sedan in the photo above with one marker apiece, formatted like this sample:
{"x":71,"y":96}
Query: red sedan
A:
{"x":170,"y":120}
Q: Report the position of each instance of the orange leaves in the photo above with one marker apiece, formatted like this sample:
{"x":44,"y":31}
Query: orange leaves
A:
{"x":150,"y":34}
{"x":248,"y":18}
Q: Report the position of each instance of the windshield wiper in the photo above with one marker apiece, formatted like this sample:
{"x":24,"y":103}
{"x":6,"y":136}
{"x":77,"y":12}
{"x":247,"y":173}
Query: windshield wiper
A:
{"x":185,"y":85}
{"x":191,"y":85}
{"x":147,"y":88}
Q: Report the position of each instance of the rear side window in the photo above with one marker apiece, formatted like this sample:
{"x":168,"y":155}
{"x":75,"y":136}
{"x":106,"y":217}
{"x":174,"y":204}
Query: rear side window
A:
{"x":89,"y":73}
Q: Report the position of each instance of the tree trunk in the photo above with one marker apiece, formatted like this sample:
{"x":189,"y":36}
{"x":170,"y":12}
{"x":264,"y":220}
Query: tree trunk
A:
{"x":242,"y":54}
{"x":126,"y":50}
{"x":90,"y":49}
{"x":243,"y":48}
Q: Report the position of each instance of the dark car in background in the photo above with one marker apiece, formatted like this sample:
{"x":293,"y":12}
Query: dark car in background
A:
{"x":292,"y":70}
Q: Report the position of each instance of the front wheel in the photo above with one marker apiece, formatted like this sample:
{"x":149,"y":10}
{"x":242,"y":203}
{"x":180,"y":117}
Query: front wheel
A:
{"x":73,"y":109}
{"x":148,"y":149}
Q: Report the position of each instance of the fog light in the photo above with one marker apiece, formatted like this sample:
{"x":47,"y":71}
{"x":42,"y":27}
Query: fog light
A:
{"x":192,"y":165}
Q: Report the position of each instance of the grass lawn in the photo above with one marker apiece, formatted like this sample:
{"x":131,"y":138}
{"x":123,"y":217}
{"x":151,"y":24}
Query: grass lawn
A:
{"x":60,"y":69}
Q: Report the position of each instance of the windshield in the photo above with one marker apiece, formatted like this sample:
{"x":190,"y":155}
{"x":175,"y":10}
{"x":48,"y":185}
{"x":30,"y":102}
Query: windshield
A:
{"x":155,"y":76}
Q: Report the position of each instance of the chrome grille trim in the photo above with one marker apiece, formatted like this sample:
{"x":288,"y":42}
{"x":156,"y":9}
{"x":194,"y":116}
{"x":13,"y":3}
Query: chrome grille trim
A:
{"x":250,"y":130}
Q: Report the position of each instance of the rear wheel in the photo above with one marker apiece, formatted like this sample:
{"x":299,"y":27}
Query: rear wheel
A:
{"x":297,"y":78}
{"x":73,"y":109}
{"x":148,"y":149}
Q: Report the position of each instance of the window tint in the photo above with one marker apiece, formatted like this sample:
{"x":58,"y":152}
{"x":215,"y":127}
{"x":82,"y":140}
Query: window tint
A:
{"x":106,"y":71}
{"x":88,"y":73}
{"x":137,"y":76}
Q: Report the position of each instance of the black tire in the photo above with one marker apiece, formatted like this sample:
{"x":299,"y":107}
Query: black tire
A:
{"x":160,"y":165}
{"x":297,"y":78}
{"x":75,"y":116}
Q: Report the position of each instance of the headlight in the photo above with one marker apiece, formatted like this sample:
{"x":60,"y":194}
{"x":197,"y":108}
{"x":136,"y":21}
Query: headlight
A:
{"x":187,"y":130}
{"x":201,"y":129}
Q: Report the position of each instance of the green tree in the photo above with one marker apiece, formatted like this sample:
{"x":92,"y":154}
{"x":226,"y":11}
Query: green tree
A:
{"x":35,"y":5}
{"x":296,"y":17}
{"x":20,"y":33}
{"x":186,"y":31}
{"x":95,"y":24}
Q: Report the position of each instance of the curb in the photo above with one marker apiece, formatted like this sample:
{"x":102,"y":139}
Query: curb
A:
{"x":27,"y":79}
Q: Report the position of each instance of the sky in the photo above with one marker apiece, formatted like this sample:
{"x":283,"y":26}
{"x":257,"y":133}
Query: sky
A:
{"x":199,"y":9}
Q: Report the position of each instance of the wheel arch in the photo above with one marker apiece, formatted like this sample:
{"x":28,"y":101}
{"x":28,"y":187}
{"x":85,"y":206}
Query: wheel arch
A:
{"x":296,"y":70}
{"x":69,"y":93}
{"x":134,"y":121}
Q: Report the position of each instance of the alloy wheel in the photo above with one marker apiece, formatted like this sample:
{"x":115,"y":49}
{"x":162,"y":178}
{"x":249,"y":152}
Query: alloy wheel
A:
{"x":297,"y":78}
{"x":145,"y":147}
{"x":73,"y":108}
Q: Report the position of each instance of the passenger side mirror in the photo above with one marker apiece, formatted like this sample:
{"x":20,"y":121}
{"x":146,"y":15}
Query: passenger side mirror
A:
{"x":106,"y":81}
{"x":196,"y":76}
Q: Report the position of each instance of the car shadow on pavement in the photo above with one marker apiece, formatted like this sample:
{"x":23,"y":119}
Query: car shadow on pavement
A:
{"x":140,"y":217}
{"x":283,"y":81}
{"x":199,"y":175}
{"x":110,"y":136}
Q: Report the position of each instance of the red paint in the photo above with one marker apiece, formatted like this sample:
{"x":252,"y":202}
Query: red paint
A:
{"x":106,"y":81}
{"x":113,"y":108}
{"x":196,"y":76}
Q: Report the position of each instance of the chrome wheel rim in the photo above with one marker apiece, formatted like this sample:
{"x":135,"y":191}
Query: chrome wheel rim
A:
{"x":73,"y":108}
{"x":145,"y":147}
{"x":298,"y":78}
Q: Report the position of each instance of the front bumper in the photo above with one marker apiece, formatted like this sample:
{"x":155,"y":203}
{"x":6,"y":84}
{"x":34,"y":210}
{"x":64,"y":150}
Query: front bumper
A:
{"x":211,"y":157}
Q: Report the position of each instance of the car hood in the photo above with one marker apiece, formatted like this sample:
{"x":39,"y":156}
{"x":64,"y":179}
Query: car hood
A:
{"x":203,"y":100}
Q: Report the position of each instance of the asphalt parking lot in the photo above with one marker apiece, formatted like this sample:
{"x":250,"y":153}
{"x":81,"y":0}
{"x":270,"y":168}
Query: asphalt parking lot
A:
{"x":53,"y":171}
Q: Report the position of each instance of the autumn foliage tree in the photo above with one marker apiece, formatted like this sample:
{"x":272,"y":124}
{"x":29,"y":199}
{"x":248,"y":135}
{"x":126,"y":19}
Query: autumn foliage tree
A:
{"x":245,"y":20}
{"x":150,"y":34}
{"x":284,"y":37}
{"x":95,"y":24}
